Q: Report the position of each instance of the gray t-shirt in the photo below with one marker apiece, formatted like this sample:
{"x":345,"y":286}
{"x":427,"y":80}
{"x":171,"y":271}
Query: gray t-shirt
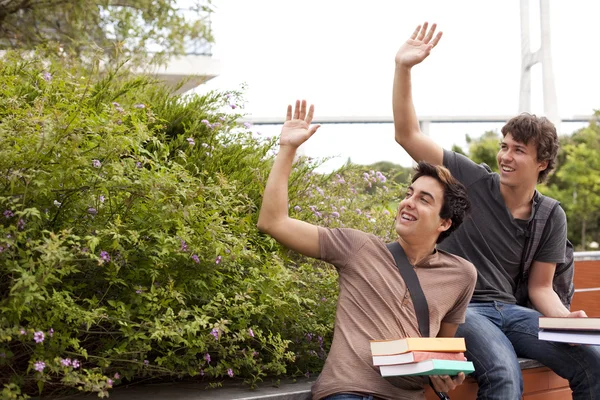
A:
{"x":491,"y":238}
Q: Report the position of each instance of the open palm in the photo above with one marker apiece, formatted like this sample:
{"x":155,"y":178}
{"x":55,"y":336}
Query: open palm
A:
{"x":296,"y":129}
{"x":418,"y":46}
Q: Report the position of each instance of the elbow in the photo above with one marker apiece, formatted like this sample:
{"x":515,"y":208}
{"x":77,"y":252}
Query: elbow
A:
{"x":262,"y":225}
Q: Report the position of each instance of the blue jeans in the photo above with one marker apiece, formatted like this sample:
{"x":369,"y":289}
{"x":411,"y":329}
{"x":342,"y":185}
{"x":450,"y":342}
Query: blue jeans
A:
{"x":497,"y":333}
{"x":348,"y":396}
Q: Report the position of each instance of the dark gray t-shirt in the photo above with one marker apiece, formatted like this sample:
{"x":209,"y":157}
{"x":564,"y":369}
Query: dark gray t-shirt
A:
{"x":491,"y":238}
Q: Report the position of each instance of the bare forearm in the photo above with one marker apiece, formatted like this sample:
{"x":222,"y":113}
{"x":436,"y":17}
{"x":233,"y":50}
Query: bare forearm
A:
{"x":275,"y":199}
{"x":546,"y":301}
{"x":406,"y":122}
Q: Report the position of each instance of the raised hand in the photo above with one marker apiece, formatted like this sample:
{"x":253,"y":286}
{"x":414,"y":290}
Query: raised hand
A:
{"x":418,"y":46}
{"x":296,"y":129}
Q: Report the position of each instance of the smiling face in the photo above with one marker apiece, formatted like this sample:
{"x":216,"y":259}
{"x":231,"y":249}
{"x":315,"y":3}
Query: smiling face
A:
{"x":419,"y":213}
{"x":518,"y":163}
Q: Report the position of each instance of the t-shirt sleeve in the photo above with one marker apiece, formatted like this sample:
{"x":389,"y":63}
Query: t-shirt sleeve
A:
{"x":340,"y":245}
{"x":463,"y":168}
{"x":458,"y":313}
{"x":552,"y":247}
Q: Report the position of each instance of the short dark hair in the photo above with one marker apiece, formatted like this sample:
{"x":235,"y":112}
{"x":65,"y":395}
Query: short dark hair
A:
{"x":525,"y":127}
{"x":456,"y":204}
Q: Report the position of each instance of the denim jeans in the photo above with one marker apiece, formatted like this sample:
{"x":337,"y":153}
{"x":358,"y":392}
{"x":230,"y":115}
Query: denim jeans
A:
{"x":348,"y":396}
{"x":497,"y":333}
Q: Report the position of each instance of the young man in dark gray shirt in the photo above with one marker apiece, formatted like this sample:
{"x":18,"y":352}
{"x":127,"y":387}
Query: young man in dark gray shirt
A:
{"x":497,"y":330}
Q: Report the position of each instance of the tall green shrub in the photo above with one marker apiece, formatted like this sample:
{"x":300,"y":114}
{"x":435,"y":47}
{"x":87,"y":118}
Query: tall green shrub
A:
{"x":128,"y":245}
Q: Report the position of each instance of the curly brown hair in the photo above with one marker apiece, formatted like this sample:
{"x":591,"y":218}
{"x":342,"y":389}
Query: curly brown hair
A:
{"x":456,"y":204}
{"x":525,"y":127}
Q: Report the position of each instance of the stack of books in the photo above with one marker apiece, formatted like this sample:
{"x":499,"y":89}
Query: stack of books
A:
{"x":570,"y":330}
{"x":420,"y":356}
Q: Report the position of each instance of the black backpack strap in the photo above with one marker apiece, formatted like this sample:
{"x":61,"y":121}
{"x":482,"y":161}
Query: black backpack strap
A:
{"x":414,"y":287}
{"x":536,"y":229}
{"x":543,"y":211}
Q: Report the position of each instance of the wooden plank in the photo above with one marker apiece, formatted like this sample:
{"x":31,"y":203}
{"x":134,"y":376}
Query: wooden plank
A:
{"x":587,"y":274}
{"x":554,"y":394}
{"x":588,"y":302}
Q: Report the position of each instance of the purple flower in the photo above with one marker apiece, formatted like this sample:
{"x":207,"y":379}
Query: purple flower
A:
{"x":215,"y":333}
{"x":51,"y":332}
{"x":76,"y":364}
{"x":21,"y":224}
{"x":222,"y":118}
{"x":109,"y":383}
{"x":386,"y":212}
{"x":335,"y":214}
{"x":116,"y":104}
{"x":207,"y":357}
{"x":184,"y":246}
{"x":104,"y":256}
{"x":119,"y":122}
{"x":47,"y":76}
{"x":66,"y":362}
{"x":191,"y":141}
{"x":8,"y":214}
{"x":250,"y":332}
{"x":139,"y":290}
{"x":201,"y":372}
{"x":140,"y":106}
{"x":321,"y":192}
{"x":96,"y":163}
{"x":227,"y":251}
{"x":138,"y":164}
{"x":38,"y":336}
{"x":117,"y":376}
{"x":146,"y":362}
{"x":196,"y":258}
{"x":218,"y":259}
{"x":39,"y":366}
{"x":101,"y":198}
{"x":358,"y":211}
{"x":247,"y":125}
{"x":22,"y":331}
{"x":205,"y":122}
{"x":254,"y":354}
{"x":297,"y":208}
{"x":233,"y":106}
{"x":230,"y":372}
{"x":1,"y":249}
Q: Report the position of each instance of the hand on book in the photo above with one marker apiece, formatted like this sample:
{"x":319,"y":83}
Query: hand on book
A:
{"x":577,"y":314}
{"x":444,"y":383}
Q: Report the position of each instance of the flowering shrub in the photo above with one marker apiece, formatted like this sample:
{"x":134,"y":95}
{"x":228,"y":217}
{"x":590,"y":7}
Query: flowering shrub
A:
{"x":128,"y":245}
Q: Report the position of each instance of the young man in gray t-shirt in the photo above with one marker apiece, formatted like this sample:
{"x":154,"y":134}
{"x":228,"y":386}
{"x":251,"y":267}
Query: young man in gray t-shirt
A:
{"x":497,"y":330}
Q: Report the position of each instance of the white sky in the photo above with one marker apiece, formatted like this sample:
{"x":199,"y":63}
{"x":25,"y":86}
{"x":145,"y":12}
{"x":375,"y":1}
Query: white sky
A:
{"x":339,"y":55}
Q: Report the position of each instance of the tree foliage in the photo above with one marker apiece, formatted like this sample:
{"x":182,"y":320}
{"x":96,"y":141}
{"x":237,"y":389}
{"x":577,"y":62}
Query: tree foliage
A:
{"x":127,"y":27}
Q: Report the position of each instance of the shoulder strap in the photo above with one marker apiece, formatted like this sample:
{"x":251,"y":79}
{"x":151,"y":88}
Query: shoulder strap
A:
{"x":544,"y":209}
{"x":414,"y":287}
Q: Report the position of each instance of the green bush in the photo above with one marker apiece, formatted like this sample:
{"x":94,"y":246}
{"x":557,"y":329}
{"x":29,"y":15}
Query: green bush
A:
{"x":128,"y":240}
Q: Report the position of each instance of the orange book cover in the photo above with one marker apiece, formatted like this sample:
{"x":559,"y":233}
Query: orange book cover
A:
{"x":399,"y":346}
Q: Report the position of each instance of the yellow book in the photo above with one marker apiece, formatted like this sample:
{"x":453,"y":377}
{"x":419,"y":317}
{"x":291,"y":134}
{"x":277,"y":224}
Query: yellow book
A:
{"x":399,"y":346}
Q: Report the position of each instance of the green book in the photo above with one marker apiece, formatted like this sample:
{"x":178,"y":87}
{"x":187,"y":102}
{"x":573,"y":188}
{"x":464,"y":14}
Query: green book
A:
{"x":428,"y":367}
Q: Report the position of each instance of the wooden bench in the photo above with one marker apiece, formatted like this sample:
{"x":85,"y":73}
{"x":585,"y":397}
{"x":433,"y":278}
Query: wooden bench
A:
{"x":539,"y":381}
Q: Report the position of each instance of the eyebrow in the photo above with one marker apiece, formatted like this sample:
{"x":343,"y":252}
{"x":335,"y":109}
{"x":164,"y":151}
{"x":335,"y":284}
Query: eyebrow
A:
{"x":422,"y":192}
{"x":517,"y":145}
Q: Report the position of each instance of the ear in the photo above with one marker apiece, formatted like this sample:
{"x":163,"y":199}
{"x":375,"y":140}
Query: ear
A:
{"x":445,"y":225}
{"x":543,"y":165}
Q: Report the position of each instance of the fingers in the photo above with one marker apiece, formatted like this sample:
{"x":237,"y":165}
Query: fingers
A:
{"x":415,"y":33}
{"x":311,"y":112}
{"x":444,"y":383}
{"x":297,"y":110}
{"x":436,"y":39}
{"x":423,"y":30}
{"x":429,"y":34}
{"x":302,"y":109}
{"x":288,"y":116}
